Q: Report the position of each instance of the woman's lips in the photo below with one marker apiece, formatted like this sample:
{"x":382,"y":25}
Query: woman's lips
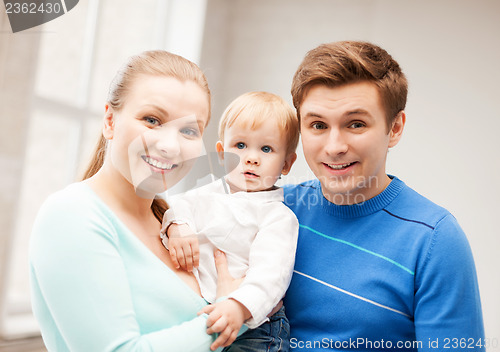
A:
{"x":158,"y":164}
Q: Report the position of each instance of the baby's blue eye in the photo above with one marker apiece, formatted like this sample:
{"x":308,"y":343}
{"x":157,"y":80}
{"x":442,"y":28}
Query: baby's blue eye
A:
{"x":266,"y":149}
{"x":240,"y":145}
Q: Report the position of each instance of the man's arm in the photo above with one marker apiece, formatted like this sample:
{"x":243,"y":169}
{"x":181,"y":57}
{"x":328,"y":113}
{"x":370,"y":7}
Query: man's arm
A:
{"x":447,"y":302}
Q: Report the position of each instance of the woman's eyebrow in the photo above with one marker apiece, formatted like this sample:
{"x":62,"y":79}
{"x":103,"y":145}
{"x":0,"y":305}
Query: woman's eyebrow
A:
{"x":156,"y":107}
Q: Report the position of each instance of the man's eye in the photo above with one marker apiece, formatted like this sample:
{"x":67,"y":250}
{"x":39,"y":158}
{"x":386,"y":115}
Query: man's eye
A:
{"x":240,"y":145}
{"x":266,"y":149}
{"x":318,"y":125}
{"x":357,"y":125}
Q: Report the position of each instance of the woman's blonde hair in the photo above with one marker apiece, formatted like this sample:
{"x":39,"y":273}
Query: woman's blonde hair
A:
{"x":156,"y":63}
{"x":253,"y":108}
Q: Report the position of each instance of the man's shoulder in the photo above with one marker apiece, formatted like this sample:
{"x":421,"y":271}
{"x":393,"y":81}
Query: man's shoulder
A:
{"x":410,"y":205}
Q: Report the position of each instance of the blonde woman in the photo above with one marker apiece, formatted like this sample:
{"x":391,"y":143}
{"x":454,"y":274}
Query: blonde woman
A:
{"x":101,"y":279}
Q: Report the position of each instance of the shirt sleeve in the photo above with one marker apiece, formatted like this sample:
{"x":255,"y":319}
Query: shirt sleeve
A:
{"x":81,"y":290}
{"x":447,"y":305}
{"x":179,"y":211}
{"x":271,"y":261}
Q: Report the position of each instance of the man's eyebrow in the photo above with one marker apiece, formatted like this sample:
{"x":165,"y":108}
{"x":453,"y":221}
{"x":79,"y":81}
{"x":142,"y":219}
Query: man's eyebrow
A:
{"x":312,"y":114}
{"x":359,"y":111}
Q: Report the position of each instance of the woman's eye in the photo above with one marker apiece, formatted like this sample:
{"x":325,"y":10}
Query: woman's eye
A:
{"x":192,"y":132}
{"x":240,"y":145}
{"x":318,"y":125}
{"x":266,"y":149}
{"x":152,"y":121}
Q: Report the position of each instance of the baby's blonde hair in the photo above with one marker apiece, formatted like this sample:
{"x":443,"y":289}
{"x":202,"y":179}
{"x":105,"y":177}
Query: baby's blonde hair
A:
{"x":253,"y":108}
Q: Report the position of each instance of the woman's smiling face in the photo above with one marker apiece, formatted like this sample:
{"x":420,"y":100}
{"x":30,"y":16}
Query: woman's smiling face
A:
{"x":156,"y":136}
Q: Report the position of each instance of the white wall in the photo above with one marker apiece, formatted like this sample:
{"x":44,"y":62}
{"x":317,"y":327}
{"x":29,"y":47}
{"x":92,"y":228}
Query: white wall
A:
{"x":450,"y":51}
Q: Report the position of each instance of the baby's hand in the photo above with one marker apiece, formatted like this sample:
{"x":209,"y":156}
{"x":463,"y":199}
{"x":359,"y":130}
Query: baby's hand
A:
{"x":226,"y":318}
{"x":183,"y":247}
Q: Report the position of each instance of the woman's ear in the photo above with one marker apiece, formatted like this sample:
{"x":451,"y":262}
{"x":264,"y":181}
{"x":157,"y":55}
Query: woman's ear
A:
{"x":109,"y":123}
{"x":289,"y":160}
{"x":397,"y":128}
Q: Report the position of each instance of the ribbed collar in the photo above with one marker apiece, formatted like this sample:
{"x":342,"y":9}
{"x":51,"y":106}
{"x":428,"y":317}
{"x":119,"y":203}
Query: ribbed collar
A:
{"x":368,"y":207}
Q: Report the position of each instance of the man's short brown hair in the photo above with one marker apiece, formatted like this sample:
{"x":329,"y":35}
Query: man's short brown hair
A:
{"x":340,"y":63}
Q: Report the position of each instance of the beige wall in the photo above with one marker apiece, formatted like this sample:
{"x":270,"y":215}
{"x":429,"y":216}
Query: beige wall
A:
{"x":16,"y":86}
{"x":450,"y":52}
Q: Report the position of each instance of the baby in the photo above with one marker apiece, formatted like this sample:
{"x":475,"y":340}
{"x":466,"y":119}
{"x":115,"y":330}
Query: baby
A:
{"x":243,"y":215}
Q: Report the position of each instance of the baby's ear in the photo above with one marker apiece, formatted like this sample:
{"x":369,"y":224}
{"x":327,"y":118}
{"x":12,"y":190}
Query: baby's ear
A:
{"x":289,"y":160}
{"x":109,"y":123}
{"x":220,"y":151}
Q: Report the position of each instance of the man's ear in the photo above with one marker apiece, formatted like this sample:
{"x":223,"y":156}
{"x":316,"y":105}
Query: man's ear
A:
{"x":220,"y":151}
{"x":397,"y":128}
{"x":289,"y":160}
{"x":108,"y":128}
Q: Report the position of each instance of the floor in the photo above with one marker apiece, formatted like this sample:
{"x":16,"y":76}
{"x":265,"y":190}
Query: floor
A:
{"x":34,"y":344}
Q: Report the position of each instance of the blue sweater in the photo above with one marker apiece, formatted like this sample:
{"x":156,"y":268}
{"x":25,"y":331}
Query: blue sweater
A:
{"x":393,"y":273}
{"x":96,"y":287}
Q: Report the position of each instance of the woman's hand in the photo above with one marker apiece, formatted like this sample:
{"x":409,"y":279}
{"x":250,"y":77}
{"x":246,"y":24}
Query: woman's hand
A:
{"x":225,"y":282}
{"x":227,"y":316}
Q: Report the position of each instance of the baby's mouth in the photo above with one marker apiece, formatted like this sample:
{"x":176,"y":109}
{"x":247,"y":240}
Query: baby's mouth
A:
{"x":250,"y":174}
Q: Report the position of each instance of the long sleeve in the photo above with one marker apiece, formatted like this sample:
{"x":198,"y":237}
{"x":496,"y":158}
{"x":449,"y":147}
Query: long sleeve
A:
{"x":447,"y":304}
{"x":271,"y":263}
{"x":95,"y":287}
{"x":179,"y":211}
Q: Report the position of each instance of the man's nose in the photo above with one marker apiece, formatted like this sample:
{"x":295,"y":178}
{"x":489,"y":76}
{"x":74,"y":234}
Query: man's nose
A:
{"x":336,"y":143}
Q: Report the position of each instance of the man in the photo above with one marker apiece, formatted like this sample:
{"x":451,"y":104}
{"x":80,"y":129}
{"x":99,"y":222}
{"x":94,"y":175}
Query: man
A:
{"x":378,"y":266}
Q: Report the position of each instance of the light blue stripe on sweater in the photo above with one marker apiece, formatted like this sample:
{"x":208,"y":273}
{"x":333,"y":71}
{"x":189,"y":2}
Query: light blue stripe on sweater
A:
{"x":359,"y":248}
{"x":351,"y":294}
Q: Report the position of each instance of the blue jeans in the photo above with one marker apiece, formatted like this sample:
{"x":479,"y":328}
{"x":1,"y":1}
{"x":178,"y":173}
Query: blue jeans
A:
{"x":272,"y":336}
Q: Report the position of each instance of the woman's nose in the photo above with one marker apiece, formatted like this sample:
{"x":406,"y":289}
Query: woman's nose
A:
{"x":167,"y":141}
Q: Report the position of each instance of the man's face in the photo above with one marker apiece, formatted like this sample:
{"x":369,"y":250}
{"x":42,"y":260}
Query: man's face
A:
{"x":345,"y":140}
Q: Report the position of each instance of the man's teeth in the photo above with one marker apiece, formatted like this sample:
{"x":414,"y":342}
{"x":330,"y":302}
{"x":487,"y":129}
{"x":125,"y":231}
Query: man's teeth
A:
{"x":339,"y":167}
{"x":159,"y":164}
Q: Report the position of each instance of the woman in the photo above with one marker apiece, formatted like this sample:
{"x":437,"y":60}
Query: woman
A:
{"x":101,"y":280}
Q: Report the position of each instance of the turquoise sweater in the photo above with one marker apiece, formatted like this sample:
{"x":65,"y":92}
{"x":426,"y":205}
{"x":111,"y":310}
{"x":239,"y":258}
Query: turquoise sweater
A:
{"x":97,"y":287}
{"x":393,"y":273}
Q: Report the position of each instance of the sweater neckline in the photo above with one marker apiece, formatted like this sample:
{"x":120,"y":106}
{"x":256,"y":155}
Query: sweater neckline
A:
{"x":367,"y":207}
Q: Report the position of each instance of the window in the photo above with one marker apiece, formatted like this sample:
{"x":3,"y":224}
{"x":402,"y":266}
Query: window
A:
{"x":78,"y":55}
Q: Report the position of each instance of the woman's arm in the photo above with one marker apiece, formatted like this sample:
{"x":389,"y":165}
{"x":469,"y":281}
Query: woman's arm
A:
{"x":82,"y":289}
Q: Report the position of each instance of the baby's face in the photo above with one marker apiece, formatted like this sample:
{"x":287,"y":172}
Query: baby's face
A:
{"x":263,"y":156}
